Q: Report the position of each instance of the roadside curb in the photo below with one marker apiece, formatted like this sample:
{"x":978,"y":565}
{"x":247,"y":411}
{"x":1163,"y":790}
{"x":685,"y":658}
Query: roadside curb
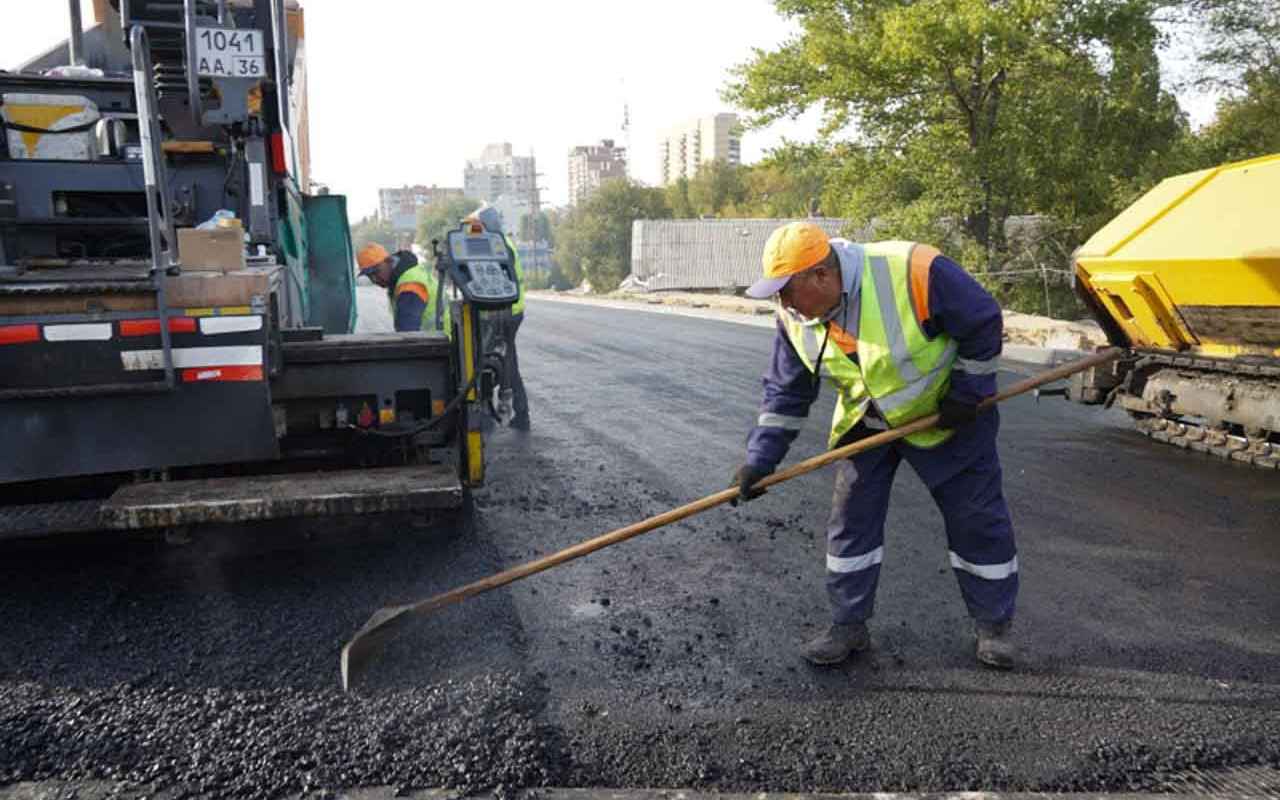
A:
{"x":1039,"y":356}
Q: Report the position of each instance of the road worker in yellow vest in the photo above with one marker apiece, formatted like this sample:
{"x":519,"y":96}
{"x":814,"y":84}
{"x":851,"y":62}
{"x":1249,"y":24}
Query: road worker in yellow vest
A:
{"x":899,"y":331}
{"x":491,"y":219}
{"x":411,"y":287}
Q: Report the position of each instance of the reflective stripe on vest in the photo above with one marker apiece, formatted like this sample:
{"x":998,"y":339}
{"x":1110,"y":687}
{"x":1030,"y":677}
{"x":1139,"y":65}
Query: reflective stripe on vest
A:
{"x":899,"y":368}
{"x":938,"y":355}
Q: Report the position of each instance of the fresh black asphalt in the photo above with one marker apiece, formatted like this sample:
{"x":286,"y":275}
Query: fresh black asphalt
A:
{"x":1149,"y":618}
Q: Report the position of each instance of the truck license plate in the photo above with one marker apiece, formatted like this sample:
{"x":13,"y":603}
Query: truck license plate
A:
{"x":223,"y":53}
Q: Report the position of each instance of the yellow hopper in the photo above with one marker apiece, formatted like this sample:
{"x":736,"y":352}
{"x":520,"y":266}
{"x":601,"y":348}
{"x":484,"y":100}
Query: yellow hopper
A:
{"x":1194,"y":265}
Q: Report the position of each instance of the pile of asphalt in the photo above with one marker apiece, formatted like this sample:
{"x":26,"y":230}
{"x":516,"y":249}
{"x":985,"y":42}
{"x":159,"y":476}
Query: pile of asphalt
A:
{"x":210,"y":670}
{"x":488,"y":735}
{"x":473,"y":736}
{"x":858,"y":753}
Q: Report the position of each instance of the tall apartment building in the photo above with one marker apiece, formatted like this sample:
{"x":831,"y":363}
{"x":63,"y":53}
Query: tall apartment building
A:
{"x":400,"y":205}
{"x":506,"y":181}
{"x":405,"y":199}
{"x":590,"y":165}
{"x":699,"y":141}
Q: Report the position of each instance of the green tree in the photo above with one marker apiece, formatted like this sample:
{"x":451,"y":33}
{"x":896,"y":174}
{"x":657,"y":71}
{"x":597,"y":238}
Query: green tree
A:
{"x":971,"y":110}
{"x":1245,"y":126}
{"x":718,"y":187}
{"x":535,"y":227}
{"x":371,"y":229}
{"x":677,"y":194}
{"x":437,"y":218}
{"x":552,"y":279}
{"x":1240,"y":41}
{"x":594,"y":240}
{"x":554,"y":216}
{"x":789,"y":182}
{"x":1240,"y":55}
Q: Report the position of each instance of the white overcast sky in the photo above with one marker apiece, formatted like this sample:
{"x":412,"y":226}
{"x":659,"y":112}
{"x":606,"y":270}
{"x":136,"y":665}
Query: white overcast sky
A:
{"x":404,"y":91}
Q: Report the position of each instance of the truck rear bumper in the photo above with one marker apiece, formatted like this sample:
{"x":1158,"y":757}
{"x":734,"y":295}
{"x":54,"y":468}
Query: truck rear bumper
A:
{"x":169,"y":504}
{"x":264,"y":497}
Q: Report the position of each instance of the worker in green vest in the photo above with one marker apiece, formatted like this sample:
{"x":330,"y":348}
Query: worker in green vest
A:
{"x":411,"y":288}
{"x":900,"y":332}
{"x":491,"y":219}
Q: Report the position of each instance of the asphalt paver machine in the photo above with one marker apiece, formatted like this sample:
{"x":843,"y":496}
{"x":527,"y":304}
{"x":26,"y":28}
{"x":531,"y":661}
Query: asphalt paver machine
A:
{"x":1187,"y":279}
{"x":176,"y":308}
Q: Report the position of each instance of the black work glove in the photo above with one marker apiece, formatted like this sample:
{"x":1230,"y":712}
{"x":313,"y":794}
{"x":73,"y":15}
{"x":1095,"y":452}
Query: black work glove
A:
{"x":745,"y":478}
{"x":405,"y":259}
{"x":956,"y":413}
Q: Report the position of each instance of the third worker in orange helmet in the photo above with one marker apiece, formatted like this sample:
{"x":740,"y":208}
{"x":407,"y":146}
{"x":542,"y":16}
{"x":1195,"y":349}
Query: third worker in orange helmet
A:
{"x":410,"y":286}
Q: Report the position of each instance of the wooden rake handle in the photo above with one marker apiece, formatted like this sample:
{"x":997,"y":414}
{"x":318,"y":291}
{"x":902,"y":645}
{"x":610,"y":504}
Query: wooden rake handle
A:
{"x":725,"y":495}
{"x":386,"y":616}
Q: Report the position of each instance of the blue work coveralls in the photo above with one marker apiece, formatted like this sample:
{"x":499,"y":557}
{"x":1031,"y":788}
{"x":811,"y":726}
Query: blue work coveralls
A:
{"x":963,"y":474}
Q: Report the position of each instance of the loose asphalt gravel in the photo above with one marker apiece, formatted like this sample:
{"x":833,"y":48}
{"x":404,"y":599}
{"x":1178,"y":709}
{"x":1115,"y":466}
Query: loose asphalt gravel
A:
{"x":1150,"y":617}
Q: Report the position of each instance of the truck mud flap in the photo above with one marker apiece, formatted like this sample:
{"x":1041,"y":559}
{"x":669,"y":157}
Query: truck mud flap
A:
{"x":265,"y":497}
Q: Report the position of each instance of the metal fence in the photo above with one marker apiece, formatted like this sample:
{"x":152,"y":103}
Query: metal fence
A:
{"x":701,"y":254}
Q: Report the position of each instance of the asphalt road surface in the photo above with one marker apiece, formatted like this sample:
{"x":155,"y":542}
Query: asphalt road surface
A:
{"x":1149,"y":617}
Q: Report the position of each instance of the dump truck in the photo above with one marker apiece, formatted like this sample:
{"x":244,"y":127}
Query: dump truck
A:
{"x":176,"y":308}
{"x":1188,"y":279}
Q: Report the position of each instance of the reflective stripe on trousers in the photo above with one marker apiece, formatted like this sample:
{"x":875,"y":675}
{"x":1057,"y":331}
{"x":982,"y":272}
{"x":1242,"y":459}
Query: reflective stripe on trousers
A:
{"x":847,"y":564}
{"x":855,"y":538}
{"x":988,"y":366}
{"x":988,"y":572}
{"x":963,"y":475}
{"x":769,"y":419}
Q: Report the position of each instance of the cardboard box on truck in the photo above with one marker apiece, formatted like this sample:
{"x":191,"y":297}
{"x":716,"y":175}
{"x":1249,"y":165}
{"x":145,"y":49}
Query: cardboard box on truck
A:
{"x":217,"y":250}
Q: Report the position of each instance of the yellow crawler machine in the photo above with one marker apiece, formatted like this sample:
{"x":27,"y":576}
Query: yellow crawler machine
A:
{"x":1188,"y":278}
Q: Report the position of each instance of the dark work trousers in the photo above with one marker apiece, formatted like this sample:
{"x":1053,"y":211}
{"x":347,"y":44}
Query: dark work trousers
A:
{"x":963,"y":475}
{"x":519,"y":400}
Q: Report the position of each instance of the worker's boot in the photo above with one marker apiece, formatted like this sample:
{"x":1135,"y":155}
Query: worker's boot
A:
{"x":995,"y":645}
{"x":520,"y":422}
{"x":837,"y":644}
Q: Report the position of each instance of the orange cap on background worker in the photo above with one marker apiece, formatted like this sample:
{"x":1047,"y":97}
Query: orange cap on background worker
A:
{"x":369,"y":257}
{"x":791,"y":249}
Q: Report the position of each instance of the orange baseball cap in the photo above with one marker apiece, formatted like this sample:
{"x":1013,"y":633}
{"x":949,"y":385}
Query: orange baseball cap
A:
{"x":791,"y":249}
{"x":370,"y":256}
